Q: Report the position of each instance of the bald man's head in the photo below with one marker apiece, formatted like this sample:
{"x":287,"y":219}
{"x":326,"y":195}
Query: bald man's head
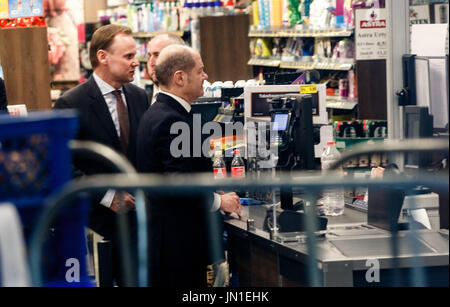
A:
{"x":172,"y":59}
{"x":156,"y":45}
{"x":180,"y":71}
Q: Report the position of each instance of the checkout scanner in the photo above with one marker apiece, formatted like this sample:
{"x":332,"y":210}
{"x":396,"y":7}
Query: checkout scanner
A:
{"x":292,"y":135}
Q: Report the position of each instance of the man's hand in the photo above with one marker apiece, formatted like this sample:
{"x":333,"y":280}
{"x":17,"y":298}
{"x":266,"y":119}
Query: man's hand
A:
{"x":230,"y":203}
{"x":123,"y":202}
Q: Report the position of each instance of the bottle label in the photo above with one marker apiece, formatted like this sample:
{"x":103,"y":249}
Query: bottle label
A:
{"x":238,"y":172}
{"x":220,"y":173}
{"x":364,"y":161}
{"x":327,"y":164}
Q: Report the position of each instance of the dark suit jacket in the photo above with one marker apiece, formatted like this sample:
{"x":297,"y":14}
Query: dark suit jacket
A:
{"x":3,"y":100}
{"x":178,"y":224}
{"x":96,"y":125}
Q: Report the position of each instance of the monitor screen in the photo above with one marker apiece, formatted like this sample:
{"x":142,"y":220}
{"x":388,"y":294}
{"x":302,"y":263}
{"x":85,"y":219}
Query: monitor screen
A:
{"x":432,"y":88}
{"x":280,"y":121}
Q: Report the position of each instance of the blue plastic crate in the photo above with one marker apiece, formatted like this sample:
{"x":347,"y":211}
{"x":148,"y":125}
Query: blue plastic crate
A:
{"x":35,"y":162}
{"x":34,"y":155}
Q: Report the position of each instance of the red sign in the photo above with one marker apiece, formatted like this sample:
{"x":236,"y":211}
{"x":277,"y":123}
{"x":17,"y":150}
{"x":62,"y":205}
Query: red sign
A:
{"x":373,"y":24}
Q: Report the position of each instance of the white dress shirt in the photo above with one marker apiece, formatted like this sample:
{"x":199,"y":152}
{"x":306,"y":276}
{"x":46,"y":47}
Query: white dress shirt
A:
{"x":155,"y":92}
{"x":111,"y":101}
{"x":187,"y":106}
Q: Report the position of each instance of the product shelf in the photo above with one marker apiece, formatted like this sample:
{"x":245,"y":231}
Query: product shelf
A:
{"x":264,"y":62}
{"x":341,"y":103}
{"x":307,"y":65}
{"x":343,"y":65}
{"x":153,"y":34}
{"x":301,"y":33}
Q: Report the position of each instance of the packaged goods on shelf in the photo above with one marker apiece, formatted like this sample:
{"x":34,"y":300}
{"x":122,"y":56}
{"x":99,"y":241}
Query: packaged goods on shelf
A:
{"x":11,"y":23}
{"x":344,"y":49}
{"x":159,"y":16}
{"x":313,"y":14}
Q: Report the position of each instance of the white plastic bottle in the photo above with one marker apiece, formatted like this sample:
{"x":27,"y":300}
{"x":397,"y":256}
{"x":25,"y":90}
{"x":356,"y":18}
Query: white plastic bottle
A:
{"x":219,"y":167}
{"x":333,"y":199}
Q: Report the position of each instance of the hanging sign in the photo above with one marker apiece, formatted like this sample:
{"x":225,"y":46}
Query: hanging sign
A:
{"x":371,"y":34}
{"x":419,"y":14}
{"x":4,"y":14}
{"x":25,"y":8}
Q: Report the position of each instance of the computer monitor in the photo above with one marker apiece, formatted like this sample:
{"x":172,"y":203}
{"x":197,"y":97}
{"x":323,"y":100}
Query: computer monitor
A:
{"x":432,"y":89}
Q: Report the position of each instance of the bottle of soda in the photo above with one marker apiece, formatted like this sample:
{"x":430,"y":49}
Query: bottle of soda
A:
{"x":237,"y":165}
{"x":219,"y":167}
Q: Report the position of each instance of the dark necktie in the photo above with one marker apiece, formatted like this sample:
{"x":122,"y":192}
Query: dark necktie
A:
{"x":122,"y":113}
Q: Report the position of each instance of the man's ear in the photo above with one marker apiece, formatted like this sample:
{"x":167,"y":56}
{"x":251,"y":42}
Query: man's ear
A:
{"x":102,"y":56}
{"x":179,"y":78}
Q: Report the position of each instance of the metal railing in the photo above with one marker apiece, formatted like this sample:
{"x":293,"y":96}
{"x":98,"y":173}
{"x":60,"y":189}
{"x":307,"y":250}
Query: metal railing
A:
{"x":174,"y":184}
{"x":115,"y":162}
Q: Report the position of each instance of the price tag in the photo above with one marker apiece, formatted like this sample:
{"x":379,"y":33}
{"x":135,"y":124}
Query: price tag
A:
{"x":308,"y":89}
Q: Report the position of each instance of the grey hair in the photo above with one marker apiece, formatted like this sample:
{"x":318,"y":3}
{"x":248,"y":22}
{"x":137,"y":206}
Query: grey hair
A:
{"x":171,"y":38}
{"x":173,"y":58}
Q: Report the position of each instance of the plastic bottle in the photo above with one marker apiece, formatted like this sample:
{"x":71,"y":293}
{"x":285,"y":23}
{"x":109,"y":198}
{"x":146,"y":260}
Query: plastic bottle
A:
{"x":333,"y":199}
{"x":229,"y":7}
{"x":218,"y":8}
{"x":187,"y":15}
{"x":150,"y":19}
{"x":209,"y":11}
{"x":276,"y":11}
{"x":267,"y":14}
{"x":237,"y":165}
{"x":255,"y":10}
{"x":196,"y":9}
{"x":219,"y":167}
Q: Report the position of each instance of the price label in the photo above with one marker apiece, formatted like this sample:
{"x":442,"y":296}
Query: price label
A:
{"x":308,"y":89}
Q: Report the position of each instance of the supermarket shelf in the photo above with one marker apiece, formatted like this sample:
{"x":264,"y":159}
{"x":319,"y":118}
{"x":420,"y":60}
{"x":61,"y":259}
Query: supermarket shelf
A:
{"x":341,"y":103}
{"x":264,"y":62}
{"x":153,"y":34}
{"x":142,"y":60}
{"x":305,"y":65}
{"x":301,"y":33}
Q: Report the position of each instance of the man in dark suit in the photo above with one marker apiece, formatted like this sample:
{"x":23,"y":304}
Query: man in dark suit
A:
{"x":156,"y":45}
{"x":178,"y":232}
{"x":110,"y":109}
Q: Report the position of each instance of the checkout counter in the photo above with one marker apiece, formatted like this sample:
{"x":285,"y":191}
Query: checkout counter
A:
{"x":347,"y":247}
{"x":342,"y":253}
